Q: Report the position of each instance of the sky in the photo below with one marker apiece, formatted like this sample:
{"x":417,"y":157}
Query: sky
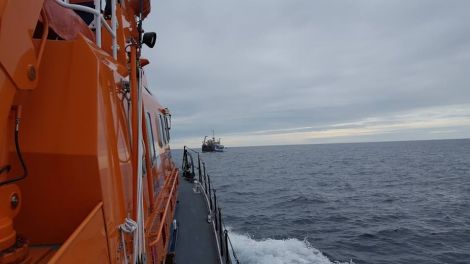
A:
{"x":276,"y":72}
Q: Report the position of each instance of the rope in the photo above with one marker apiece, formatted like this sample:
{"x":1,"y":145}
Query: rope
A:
{"x":129,"y":226}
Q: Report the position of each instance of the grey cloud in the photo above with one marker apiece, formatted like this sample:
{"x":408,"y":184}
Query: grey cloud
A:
{"x":241,"y":66}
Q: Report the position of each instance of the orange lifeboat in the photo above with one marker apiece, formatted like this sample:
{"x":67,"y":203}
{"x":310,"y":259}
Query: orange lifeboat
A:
{"x":85,"y":170}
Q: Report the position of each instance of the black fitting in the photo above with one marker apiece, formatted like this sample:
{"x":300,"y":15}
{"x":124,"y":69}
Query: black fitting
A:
{"x":20,"y":158}
{"x":5,"y":169}
{"x":149,"y":39}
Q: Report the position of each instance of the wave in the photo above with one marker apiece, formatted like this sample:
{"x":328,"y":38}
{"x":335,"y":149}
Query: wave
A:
{"x":300,"y":200}
{"x":273,"y":251}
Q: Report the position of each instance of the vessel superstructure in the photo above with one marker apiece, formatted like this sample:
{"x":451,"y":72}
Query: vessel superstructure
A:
{"x":212,"y":144}
{"x":86,"y":174}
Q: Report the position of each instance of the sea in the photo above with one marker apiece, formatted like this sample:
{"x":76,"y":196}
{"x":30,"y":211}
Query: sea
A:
{"x":364,"y":203}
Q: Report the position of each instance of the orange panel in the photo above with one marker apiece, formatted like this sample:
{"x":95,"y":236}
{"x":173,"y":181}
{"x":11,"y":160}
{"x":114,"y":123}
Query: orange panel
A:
{"x":17,"y":53}
{"x":7,"y":91}
{"x":57,"y":195}
{"x":41,"y":255}
{"x":58,"y":136}
{"x":87,"y":244}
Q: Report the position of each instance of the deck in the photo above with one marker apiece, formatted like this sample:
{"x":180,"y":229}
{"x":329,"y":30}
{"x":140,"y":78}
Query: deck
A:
{"x":196,"y":242}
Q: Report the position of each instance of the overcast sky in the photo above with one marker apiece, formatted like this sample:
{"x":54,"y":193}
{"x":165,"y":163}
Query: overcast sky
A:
{"x":269,"y":72}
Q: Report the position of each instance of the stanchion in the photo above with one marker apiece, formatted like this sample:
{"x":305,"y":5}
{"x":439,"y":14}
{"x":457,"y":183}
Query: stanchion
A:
{"x":220,"y":233}
{"x":205,"y":177}
{"x":199,"y":167}
{"x":227,"y":255}
{"x":210,"y":192}
{"x":215,"y":209}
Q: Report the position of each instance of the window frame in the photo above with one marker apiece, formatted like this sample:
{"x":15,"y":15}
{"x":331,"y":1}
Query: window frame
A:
{"x":160,"y":138}
{"x":165,"y":140}
{"x":167,"y":128}
{"x":151,"y":137}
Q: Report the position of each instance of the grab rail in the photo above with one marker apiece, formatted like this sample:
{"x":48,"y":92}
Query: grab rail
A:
{"x":170,"y":195}
{"x":226,"y":249}
{"x":98,"y":20}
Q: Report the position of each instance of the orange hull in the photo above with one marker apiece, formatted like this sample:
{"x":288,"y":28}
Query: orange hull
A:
{"x":79,"y":120}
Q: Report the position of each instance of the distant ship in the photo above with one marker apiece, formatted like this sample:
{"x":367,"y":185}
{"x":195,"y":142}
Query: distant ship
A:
{"x":212,"y":145}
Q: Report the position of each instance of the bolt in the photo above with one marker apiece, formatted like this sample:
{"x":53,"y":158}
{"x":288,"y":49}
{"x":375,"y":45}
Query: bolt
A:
{"x":14,"y":201}
{"x":31,"y":72}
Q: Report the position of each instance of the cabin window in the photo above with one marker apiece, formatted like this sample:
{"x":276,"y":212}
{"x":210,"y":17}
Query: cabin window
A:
{"x":150,"y":137}
{"x":167,"y":129}
{"x":164,"y":131}
{"x":161,"y":141}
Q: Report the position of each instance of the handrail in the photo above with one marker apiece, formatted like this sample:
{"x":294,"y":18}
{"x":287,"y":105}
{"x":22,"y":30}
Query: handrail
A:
{"x":160,"y":228}
{"x":45,"y":32}
{"x":225,"y":246}
{"x":113,"y":27}
{"x":99,"y":20}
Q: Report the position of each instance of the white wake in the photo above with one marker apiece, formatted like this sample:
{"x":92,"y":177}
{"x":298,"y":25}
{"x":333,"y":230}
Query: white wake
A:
{"x":288,"y":251}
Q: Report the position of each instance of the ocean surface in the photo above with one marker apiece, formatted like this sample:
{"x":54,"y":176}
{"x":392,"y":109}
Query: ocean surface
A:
{"x":393,"y":202}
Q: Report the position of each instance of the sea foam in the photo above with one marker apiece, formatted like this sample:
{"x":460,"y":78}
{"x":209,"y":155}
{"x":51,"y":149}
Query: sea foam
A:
{"x":287,"y":251}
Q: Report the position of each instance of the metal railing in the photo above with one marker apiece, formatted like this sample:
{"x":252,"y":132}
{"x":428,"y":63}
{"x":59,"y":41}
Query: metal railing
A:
{"x":226,"y":250}
{"x":99,"y":20}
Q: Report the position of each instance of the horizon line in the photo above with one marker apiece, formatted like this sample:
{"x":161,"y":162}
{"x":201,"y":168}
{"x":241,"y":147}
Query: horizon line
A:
{"x":335,"y":143}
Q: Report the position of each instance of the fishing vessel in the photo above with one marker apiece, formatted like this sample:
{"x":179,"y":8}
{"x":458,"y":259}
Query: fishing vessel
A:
{"x":86,"y":172}
{"x":212,"y":144}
